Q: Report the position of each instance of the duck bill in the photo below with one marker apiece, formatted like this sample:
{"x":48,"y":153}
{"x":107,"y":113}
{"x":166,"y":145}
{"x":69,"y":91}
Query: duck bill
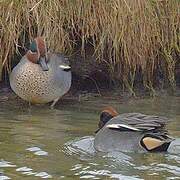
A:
{"x":97,"y":131}
{"x":43,"y":64}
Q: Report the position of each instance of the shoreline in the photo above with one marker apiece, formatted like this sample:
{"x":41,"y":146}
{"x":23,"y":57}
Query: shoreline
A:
{"x":74,"y":96}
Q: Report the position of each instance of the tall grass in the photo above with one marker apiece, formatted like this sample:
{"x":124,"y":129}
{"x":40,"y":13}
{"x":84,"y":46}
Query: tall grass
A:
{"x":130,"y":36}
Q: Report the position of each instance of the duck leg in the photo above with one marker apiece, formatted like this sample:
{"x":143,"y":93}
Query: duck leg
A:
{"x":54,"y":102}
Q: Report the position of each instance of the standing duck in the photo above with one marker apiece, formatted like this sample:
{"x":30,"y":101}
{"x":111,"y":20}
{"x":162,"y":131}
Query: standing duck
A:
{"x":41,"y":77}
{"x":131,"y":132}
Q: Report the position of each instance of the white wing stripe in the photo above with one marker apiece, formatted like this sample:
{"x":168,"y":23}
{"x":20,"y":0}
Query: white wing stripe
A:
{"x":64,"y":67}
{"x":119,"y":126}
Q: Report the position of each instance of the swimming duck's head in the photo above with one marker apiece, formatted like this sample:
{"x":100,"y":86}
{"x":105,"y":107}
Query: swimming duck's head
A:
{"x":107,"y":114}
{"x":37,"y":53}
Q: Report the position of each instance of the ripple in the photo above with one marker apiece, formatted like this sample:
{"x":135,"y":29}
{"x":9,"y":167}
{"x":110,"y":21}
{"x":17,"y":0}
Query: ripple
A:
{"x":2,"y":177}
{"x":4,"y":164}
{"x":41,"y":153}
{"x":174,"y":147}
{"x":33,"y":149}
{"x":171,"y":157}
{"x":120,"y":158}
{"x":170,"y":168}
{"x":172,"y":178}
{"x":94,"y":172}
{"x":43,"y":175}
{"x":88,"y":172}
{"x":76,"y":167}
{"x":84,"y":147}
{"x":29,"y":151}
{"x":160,"y":167}
{"x":23,"y":169}
{"x":37,"y":151}
{"x":89,"y":177}
{"x":122,"y":177}
{"x":29,"y":171}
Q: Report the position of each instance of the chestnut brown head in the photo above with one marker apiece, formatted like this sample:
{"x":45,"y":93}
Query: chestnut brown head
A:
{"x":106,"y":115}
{"x":37,"y":53}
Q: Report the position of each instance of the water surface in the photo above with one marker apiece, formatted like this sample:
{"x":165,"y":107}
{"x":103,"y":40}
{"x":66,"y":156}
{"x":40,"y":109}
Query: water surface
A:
{"x":38,"y":142}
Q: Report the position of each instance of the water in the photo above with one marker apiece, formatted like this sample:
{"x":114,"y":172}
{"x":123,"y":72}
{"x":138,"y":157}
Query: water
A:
{"x":40,"y":143}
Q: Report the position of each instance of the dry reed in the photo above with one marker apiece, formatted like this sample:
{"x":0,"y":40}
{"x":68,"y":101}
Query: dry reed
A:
{"x":129,"y":36}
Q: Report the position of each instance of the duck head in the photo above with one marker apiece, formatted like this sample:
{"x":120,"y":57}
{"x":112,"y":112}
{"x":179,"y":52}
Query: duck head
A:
{"x":106,"y":115}
{"x":37,"y":53}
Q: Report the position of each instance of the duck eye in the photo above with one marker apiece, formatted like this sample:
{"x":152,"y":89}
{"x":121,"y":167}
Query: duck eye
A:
{"x":105,"y":117}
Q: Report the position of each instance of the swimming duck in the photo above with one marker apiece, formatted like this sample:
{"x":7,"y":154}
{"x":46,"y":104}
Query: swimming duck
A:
{"x":41,"y":77}
{"x":131,"y":132}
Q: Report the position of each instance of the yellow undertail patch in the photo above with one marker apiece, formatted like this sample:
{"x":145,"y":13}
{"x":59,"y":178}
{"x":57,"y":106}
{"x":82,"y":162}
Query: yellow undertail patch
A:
{"x":152,"y":143}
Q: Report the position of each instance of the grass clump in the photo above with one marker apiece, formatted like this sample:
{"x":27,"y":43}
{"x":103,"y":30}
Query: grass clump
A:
{"x":136,"y":39}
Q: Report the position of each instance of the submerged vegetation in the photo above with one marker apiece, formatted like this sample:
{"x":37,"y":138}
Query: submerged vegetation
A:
{"x":138,"y":41}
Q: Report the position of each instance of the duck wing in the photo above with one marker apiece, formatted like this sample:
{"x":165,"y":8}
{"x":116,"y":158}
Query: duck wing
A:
{"x":137,"y":122}
{"x":154,"y":135}
{"x":138,"y":127}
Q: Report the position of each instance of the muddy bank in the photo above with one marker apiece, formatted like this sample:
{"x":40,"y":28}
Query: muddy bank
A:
{"x":80,"y":95}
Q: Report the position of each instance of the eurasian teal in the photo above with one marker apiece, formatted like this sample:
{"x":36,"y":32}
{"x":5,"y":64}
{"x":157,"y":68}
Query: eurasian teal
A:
{"x":131,"y":132}
{"x":41,"y":77}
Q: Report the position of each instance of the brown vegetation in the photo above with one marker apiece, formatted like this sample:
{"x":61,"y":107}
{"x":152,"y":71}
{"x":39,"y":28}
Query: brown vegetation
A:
{"x":134,"y":38}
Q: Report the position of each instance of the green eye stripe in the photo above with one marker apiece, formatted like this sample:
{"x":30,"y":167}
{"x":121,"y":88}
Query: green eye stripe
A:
{"x":33,"y":46}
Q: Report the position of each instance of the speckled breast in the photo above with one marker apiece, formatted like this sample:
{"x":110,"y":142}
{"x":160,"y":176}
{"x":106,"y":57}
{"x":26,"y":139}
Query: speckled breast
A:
{"x":33,"y":84}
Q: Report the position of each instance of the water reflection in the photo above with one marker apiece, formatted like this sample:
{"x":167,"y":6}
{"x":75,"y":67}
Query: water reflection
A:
{"x":23,"y":170}
{"x":37,"y":151}
{"x":4,"y":164}
{"x":3,"y":177}
{"x":127,"y":163}
{"x":81,"y":146}
{"x":38,"y":142}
